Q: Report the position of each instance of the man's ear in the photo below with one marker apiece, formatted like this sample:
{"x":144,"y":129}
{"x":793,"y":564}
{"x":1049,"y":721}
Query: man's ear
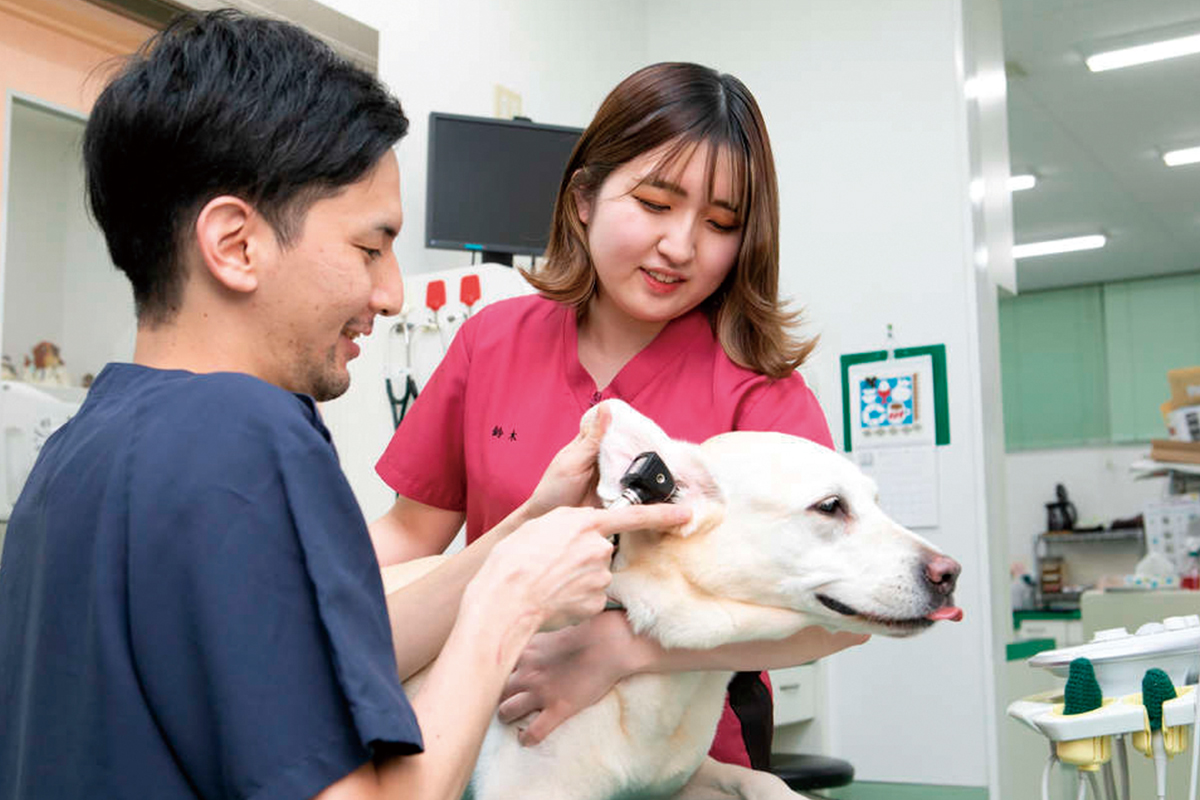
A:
{"x":233,"y":240}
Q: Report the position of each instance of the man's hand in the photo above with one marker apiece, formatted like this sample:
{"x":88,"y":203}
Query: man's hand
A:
{"x":570,"y":479}
{"x":557,"y":566}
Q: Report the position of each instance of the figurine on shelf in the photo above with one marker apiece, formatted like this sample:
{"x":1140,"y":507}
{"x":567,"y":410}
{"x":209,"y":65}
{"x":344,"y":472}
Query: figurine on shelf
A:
{"x":46,"y":366}
{"x":7,"y":371}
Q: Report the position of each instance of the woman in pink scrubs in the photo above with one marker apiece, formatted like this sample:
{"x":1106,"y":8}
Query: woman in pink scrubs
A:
{"x":660,"y":287}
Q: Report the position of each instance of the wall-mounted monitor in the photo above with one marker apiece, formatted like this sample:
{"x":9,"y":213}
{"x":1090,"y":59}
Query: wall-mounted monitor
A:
{"x":491,"y":184}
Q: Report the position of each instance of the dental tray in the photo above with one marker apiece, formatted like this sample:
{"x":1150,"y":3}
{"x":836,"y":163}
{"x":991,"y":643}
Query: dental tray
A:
{"x":1120,"y":658}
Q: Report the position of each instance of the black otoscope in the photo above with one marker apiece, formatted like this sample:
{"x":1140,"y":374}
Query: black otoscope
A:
{"x":646,"y":481}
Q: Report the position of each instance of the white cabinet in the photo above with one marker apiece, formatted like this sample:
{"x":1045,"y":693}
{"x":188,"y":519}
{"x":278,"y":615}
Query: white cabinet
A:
{"x":795,"y":690}
{"x":1064,"y":632}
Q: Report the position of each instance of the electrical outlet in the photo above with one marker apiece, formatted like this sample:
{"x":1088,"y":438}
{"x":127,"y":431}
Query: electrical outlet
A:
{"x":507,"y":102}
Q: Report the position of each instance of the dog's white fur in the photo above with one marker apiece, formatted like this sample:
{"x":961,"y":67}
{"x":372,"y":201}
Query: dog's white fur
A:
{"x":765,"y":543}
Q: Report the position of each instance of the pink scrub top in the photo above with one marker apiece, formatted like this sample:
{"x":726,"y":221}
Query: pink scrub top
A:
{"x":510,"y":392}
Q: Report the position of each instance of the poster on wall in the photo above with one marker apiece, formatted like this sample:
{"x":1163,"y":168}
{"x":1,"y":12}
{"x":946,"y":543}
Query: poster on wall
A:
{"x":932,"y":385}
{"x":891,"y":403}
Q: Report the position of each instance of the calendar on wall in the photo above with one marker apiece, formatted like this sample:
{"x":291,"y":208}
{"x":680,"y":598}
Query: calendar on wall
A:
{"x":895,"y":414}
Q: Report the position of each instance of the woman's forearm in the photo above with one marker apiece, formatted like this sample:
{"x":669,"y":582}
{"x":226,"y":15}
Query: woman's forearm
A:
{"x":807,"y":644}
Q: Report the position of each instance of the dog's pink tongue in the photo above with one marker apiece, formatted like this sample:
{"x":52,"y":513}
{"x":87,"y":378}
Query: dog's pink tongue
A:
{"x":952,"y":613}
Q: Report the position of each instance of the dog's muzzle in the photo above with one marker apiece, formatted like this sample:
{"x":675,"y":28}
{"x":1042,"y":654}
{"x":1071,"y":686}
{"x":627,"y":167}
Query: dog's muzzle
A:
{"x":939,"y":573}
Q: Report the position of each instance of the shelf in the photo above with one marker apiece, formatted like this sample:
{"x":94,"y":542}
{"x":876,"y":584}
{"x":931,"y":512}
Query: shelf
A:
{"x":1043,"y":614}
{"x":1067,"y":601}
{"x":1120,"y":534}
{"x":1149,"y":468}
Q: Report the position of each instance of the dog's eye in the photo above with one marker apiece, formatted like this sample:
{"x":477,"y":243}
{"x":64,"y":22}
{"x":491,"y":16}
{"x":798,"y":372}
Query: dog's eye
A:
{"x":831,"y":506}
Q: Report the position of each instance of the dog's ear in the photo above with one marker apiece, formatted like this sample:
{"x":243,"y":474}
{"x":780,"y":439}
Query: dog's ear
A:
{"x":629,"y":434}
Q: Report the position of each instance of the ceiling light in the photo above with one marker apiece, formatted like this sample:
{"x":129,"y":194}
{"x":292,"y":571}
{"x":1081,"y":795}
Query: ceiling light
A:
{"x":1019,"y":183}
{"x":1053,"y":246}
{"x":1144,"y":53}
{"x":1188,"y":155}
{"x":987,"y":85}
{"x":1015,"y":183}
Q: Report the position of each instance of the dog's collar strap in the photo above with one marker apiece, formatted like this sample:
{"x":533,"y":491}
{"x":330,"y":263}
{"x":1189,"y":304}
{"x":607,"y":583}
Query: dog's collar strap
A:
{"x":613,"y":604}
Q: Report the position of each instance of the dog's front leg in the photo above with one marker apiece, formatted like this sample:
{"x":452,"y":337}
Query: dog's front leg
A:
{"x":717,"y":781}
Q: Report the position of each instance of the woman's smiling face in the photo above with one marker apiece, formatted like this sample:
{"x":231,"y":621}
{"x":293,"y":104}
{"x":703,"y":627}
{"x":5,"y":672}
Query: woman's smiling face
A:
{"x":662,"y":240}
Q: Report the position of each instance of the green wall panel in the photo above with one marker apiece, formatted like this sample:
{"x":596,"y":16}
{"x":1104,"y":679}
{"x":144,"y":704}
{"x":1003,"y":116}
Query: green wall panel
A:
{"x":1088,"y":365}
{"x":1053,"y":369}
{"x":1151,"y":326}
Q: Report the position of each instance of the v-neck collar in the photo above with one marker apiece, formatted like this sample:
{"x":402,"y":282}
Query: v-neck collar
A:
{"x":679,"y":336}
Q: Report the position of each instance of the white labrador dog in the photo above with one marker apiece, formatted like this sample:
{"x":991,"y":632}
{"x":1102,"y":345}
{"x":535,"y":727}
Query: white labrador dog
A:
{"x":784,"y":534}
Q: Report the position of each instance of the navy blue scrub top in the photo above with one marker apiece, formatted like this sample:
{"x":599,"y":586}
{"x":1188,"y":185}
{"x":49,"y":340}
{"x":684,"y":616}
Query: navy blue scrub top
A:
{"x":189,"y":602}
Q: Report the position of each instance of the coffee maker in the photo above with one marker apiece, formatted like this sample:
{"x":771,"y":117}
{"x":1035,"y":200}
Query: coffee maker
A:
{"x":1060,"y":515}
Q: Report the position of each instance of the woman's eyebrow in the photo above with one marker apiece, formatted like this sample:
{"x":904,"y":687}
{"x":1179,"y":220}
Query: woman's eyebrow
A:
{"x":675,"y":188}
{"x":670,"y":186}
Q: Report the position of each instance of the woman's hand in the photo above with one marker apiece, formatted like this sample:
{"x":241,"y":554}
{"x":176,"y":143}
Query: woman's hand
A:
{"x":561,"y":673}
{"x":570,"y":480}
{"x":564,"y":672}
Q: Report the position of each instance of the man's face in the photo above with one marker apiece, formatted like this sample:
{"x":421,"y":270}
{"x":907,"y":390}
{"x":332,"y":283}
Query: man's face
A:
{"x":324,"y":291}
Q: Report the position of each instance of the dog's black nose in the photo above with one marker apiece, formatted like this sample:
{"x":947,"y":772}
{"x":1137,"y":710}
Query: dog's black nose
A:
{"x":942,"y":572}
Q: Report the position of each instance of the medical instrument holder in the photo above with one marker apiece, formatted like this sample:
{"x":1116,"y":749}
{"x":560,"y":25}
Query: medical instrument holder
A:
{"x":1172,"y":645}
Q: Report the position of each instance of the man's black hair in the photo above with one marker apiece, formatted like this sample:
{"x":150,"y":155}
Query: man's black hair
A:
{"x":225,"y":103}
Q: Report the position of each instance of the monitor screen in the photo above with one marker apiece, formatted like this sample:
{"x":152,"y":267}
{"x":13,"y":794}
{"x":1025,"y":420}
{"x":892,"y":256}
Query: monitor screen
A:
{"x":491,"y":183}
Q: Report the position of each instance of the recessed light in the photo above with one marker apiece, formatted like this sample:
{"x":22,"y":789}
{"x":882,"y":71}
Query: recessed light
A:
{"x":1019,"y":183}
{"x":1144,"y":53}
{"x":1015,"y":183}
{"x":1052,"y":246}
{"x":1175,"y":158}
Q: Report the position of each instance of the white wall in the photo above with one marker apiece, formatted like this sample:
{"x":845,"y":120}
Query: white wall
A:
{"x":991,"y":268}
{"x":32,"y":289}
{"x":562,"y":58}
{"x":59,"y":284}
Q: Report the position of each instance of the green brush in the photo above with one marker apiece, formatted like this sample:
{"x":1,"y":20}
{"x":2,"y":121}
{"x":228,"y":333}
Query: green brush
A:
{"x":1083,"y":691}
{"x":1156,"y":690}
